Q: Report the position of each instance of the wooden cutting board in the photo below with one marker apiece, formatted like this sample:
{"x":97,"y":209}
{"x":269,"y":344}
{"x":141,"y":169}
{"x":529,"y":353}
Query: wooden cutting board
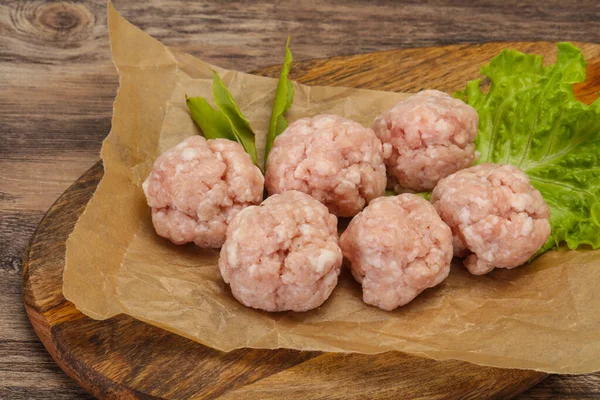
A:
{"x":122,"y":358}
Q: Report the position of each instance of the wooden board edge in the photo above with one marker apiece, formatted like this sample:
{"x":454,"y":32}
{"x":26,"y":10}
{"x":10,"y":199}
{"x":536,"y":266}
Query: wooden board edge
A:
{"x":96,"y":384}
{"x":28,"y":295}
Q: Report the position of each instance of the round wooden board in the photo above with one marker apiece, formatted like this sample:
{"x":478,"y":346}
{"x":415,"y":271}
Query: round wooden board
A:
{"x":124,"y":358}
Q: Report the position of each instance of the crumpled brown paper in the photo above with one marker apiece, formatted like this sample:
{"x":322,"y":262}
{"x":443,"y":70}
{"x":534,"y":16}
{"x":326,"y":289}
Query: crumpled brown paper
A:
{"x":544,"y":316}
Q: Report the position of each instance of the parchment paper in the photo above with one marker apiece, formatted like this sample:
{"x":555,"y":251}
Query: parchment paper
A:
{"x":543,"y":316}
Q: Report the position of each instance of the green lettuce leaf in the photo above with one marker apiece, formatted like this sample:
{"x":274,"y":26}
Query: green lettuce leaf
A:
{"x":530,"y":118}
{"x":226,"y":122}
{"x":284,"y":96}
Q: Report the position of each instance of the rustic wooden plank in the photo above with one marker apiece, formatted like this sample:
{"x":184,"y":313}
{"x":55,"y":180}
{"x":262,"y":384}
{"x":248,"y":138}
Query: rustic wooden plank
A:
{"x":33,"y":183}
{"x":26,"y":369}
{"x":58,"y":84}
{"x":242,"y":34}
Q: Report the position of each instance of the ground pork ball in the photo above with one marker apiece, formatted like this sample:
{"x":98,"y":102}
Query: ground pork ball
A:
{"x":335,"y":160}
{"x":498,"y":219}
{"x":196,"y":188}
{"x":282,"y":255}
{"x":397,"y":247}
{"x":426,"y":138}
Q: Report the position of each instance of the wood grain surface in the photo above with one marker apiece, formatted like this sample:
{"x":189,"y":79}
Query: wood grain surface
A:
{"x":58,"y":84}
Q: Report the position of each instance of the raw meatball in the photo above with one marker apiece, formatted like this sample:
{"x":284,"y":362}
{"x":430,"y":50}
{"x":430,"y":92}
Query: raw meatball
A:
{"x":498,"y":219}
{"x":196,"y":188}
{"x":426,"y":138}
{"x":335,"y":160}
{"x":282,"y":255}
{"x":397,"y":247}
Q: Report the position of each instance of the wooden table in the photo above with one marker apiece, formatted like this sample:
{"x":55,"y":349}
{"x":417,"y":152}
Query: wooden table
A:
{"x":57,"y":85}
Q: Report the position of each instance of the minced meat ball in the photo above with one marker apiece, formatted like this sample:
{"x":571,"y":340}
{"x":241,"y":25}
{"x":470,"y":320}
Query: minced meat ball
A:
{"x":196,"y":188}
{"x":335,"y":160}
{"x":497,"y":218}
{"x":282,"y":255}
{"x":397,"y":247}
{"x":426,"y":138}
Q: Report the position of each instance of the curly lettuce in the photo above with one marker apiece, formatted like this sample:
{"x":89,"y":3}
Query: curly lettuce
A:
{"x":530,"y":118}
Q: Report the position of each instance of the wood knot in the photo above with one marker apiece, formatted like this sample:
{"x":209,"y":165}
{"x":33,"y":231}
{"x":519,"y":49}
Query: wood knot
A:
{"x":62,"y":18}
{"x":54,"y":21}
{"x":59,"y":17}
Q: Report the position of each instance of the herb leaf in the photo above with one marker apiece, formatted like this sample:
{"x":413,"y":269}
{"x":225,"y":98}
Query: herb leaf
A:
{"x":226,"y":122}
{"x":239,"y":124}
{"x":284,"y":96}
{"x":213,"y":123}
